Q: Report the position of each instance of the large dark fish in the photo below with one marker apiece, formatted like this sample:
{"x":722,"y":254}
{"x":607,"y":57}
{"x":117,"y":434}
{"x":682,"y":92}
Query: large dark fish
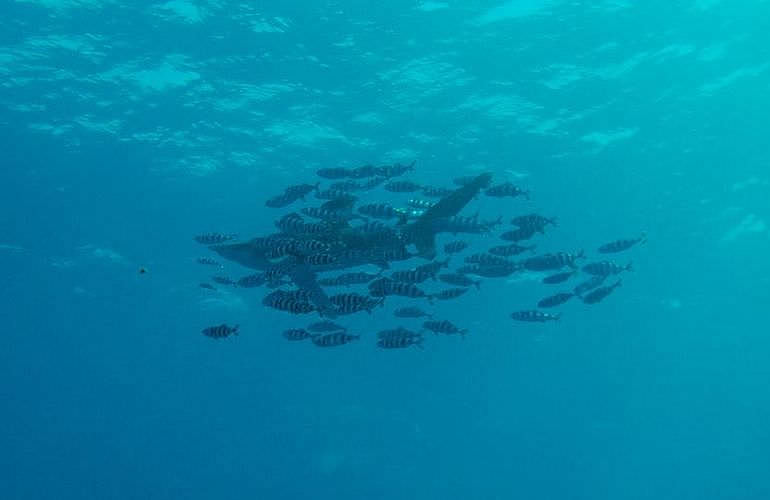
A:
{"x":305,"y":279}
{"x":402,"y":187}
{"x":250,"y":254}
{"x":422,"y":233}
{"x":420,"y":204}
{"x":455,"y":246}
{"x":436,"y":192}
{"x":252,"y":281}
{"x":378,"y":210}
{"x":214,"y":238}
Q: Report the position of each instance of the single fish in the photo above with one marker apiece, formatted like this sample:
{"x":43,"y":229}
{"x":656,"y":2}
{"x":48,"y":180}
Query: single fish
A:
{"x":220,"y":331}
{"x":534,"y":316}
{"x":410,"y":312}
{"x":443,"y":326}
{"x":597,"y":295}
{"x":334,"y":339}
{"x":621,"y":245}
{"x":325,"y":326}
{"x":555,"y":300}
{"x":295,"y":334}
{"x":557,"y":278}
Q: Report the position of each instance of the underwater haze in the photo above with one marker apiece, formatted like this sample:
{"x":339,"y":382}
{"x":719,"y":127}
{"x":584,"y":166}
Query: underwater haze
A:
{"x":128,"y":128}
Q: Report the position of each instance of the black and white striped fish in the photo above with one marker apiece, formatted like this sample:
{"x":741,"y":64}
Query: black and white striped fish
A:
{"x":295,"y":334}
{"x":534,"y":316}
{"x":443,"y":326}
{"x":220,"y":331}
{"x":334,"y":339}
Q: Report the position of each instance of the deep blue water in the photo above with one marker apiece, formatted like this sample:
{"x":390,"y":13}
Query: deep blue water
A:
{"x":127,"y":128}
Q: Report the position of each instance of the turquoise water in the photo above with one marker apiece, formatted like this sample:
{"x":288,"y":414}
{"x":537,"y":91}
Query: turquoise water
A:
{"x":128,"y":128}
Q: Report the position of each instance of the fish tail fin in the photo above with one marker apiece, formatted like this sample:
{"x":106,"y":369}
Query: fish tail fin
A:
{"x":418,"y":343}
{"x":477,"y":284}
{"x":236,"y":329}
{"x":630,"y":266}
{"x":643,"y":238}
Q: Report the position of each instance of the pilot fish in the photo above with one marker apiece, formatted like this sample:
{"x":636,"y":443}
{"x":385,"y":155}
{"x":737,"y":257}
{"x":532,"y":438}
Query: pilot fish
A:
{"x":334,"y":339}
{"x":220,"y":331}
{"x":534,"y":316}
{"x":621,"y":245}
{"x":597,"y":295}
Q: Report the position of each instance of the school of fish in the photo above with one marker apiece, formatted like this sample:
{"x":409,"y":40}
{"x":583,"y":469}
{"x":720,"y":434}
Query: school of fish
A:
{"x":337,"y":255}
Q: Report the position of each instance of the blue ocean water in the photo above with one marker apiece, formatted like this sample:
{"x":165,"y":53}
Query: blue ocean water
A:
{"x":128,"y":128}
